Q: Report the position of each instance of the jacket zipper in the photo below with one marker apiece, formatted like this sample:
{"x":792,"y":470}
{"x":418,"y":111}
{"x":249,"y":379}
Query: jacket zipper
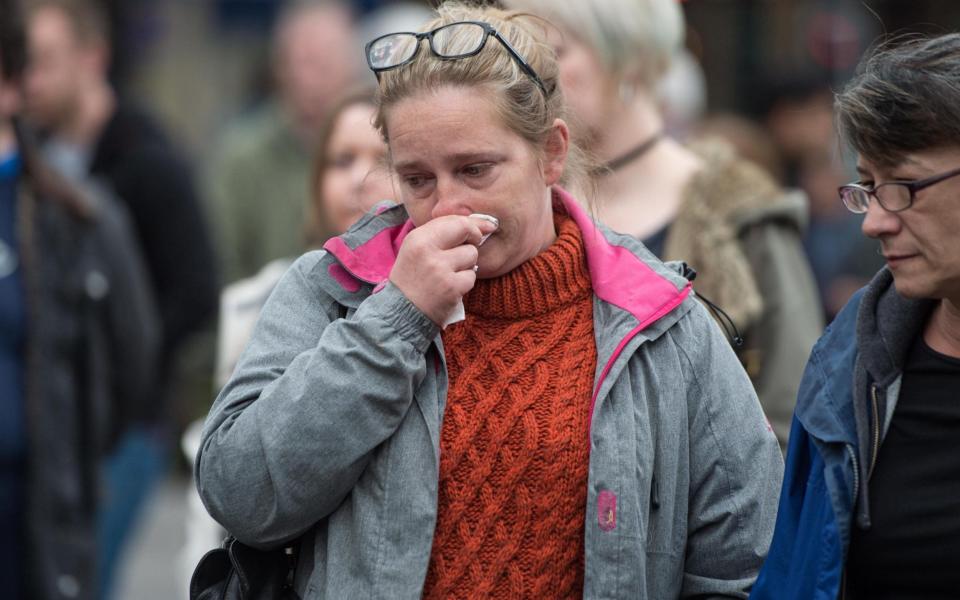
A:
{"x":876,"y":430}
{"x":856,"y":490}
{"x":856,"y":469}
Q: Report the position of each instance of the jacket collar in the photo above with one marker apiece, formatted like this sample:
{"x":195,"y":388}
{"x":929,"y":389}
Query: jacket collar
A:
{"x":875,"y":329}
{"x":622,"y":272}
{"x":887,"y":325}
{"x":824,"y":406}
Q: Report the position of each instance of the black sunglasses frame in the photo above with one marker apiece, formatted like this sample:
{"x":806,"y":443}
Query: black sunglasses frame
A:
{"x":489,"y":31}
{"x":912,"y":186}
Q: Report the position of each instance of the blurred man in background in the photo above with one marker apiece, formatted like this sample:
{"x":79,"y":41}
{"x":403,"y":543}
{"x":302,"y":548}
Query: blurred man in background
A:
{"x":79,"y":333}
{"x":91,"y":132}
{"x":260,"y":177}
{"x":798,"y":114}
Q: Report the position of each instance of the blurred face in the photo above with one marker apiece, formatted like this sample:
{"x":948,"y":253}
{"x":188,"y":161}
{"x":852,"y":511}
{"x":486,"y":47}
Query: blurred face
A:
{"x":453,"y":155}
{"x":803,"y":127}
{"x":922,"y":243}
{"x":315,"y":61}
{"x":58,"y":68}
{"x":355,"y":178}
{"x":820,"y":176}
{"x":588,"y":90}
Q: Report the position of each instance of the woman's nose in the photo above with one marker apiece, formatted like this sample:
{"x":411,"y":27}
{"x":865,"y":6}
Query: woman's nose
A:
{"x":879,"y":222}
{"x":450,"y":199}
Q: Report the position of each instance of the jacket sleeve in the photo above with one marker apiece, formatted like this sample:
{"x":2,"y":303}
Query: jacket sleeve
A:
{"x":309,"y":402}
{"x":791,"y":322}
{"x":806,"y":556}
{"x":735,"y":470}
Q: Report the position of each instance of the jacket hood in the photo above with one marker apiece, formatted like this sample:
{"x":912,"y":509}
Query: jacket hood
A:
{"x":865,"y":346}
{"x":727,"y":196}
{"x":887,"y":325}
{"x":623,"y":273}
{"x":740,"y":192}
{"x":874,"y":330}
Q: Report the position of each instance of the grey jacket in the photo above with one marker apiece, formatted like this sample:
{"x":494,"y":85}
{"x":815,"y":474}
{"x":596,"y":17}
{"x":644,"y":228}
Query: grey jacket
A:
{"x":329,"y":430}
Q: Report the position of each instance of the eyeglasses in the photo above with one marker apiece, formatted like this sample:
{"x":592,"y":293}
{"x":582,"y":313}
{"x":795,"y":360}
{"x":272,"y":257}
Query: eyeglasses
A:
{"x":449,"y":42}
{"x":893,"y":196}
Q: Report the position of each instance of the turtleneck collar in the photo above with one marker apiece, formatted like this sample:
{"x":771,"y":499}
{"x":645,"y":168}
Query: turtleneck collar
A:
{"x":554,"y":278}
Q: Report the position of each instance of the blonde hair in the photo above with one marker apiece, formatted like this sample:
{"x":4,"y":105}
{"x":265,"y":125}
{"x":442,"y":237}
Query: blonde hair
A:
{"x":522,"y":106}
{"x":635,"y":40}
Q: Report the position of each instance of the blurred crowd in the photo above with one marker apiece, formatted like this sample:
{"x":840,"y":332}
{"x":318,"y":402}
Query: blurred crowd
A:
{"x":203,"y":218}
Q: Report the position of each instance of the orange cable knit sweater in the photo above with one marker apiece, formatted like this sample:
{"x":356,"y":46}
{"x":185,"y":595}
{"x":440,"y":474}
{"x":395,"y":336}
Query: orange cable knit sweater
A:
{"x":514,"y":445}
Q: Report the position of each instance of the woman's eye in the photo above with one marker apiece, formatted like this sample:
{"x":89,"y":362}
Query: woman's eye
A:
{"x":477,"y":170}
{"x":414,"y":181}
{"x":342,"y":161}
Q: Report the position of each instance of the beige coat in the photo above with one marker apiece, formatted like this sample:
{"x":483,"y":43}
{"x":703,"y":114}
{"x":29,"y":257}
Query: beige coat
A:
{"x":741,"y":232}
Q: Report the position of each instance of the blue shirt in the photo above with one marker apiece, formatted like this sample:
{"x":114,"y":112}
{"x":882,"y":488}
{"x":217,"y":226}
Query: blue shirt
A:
{"x":13,"y":316}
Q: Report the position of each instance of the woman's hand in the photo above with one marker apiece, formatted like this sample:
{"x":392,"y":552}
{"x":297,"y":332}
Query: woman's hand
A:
{"x":435,"y":266}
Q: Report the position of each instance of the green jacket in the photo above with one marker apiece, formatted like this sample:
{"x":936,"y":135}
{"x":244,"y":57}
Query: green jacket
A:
{"x":259,"y":193}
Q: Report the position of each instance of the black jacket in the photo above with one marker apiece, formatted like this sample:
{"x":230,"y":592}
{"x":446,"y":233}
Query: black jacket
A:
{"x":155,"y":182}
{"x":92,"y":339}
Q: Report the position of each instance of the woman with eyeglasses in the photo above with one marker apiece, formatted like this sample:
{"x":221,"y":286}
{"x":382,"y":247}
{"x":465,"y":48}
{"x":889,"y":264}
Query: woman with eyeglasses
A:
{"x":479,"y":392}
{"x":700,"y":203}
{"x":871,"y":504}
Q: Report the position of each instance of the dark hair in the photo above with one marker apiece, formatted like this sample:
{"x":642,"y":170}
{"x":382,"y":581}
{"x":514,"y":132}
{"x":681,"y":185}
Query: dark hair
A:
{"x":13,"y":44}
{"x":903,"y":98}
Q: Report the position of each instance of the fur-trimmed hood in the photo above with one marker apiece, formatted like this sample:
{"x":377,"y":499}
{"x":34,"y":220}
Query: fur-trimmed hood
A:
{"x":727,"y":197}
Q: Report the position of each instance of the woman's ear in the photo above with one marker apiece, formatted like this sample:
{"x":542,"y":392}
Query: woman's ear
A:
{"x":555,"y":151}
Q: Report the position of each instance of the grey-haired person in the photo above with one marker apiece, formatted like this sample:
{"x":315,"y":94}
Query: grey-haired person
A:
{"x":479,"y":391}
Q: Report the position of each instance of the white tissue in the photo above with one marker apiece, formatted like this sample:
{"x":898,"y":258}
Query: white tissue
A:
{"x":459,"y":313}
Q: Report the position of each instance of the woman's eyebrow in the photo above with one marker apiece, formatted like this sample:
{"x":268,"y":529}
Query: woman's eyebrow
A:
{"x":452,"y":159}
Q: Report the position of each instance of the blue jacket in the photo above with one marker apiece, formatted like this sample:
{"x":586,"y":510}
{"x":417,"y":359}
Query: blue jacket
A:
{"x":847,"y":396}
